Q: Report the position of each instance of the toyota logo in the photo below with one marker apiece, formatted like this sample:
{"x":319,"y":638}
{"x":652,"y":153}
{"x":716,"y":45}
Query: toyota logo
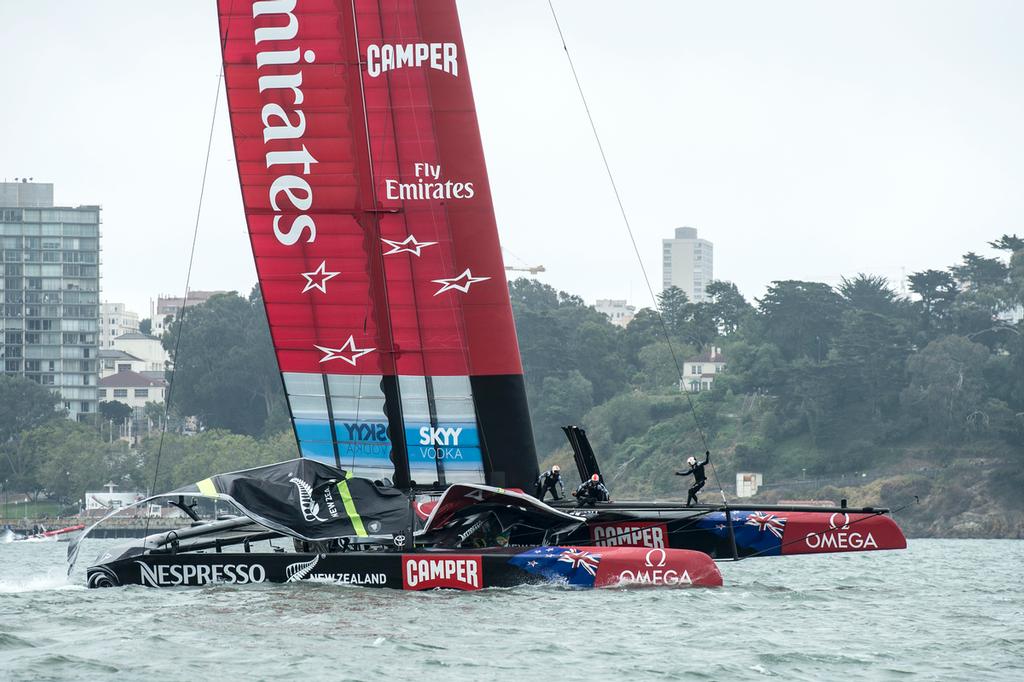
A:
{"x":832,"y":521}
{"x":661,"y":558}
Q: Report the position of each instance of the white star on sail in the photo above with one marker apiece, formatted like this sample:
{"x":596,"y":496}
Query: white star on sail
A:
{"x":318,"y":278}
{"x":408,"y":245}
{"x":348,"y":352}
{"x":461,"y":283}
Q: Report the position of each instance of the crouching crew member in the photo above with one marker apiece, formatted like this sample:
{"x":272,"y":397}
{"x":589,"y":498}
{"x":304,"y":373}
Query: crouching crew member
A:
{"x":591,"y":491}
{"x":547,"y":481}
{"x":697,"y":469}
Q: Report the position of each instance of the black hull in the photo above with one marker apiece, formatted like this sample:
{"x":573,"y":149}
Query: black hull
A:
{"x":365,"y":569}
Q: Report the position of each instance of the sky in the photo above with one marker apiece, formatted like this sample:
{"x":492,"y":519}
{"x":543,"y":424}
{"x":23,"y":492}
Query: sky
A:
{"x":807,"y":140}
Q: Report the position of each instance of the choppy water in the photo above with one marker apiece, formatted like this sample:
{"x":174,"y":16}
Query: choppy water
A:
{"x":943,"y":609}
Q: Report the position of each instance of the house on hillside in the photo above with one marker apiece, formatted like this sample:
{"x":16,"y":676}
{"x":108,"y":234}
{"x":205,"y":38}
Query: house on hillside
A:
{"x":133,"y":389}
{"x":147,"y":348}
{"x":113,"y":361}
{"x":699,"y":372}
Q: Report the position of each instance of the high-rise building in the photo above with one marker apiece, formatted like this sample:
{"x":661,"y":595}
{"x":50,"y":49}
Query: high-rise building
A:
{"x":51,"y":286}
{"x":687,"y":262}
{"x":115,"y":320}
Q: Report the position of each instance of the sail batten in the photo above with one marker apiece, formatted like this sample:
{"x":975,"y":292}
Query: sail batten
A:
{"x":370,"y":218}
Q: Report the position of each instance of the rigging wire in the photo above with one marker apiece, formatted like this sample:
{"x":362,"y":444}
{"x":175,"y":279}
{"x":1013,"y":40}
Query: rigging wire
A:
{"x":188,"y":280}
{"x":636,"y":249}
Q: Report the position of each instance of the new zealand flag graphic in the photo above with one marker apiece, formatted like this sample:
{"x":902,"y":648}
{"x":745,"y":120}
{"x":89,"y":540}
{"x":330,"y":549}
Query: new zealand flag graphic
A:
{"x":755,"y":532}
{"x":572,"y":565}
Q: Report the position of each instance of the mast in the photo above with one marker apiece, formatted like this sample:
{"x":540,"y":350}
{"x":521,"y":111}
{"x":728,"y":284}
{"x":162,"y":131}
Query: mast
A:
{"x":371,"y":222}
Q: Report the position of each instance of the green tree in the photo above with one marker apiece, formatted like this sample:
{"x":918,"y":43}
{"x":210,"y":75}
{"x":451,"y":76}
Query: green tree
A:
{"x":871,"y":352}
{"x":24,"y":405}
{"x":562,"y":400}
{"x":946,"y":384}
{"x":644,"y":329}
{"x":1008,"y":242}
{"x":977,"y":271}
{"x":225,"y":370}
{"x":187,"y":459}
{"x":871,"y":293}
{"x":729,"y":310}
{"x":938,"y":290}
{"x":658,"y":370}
{"x":146,"y":326}
{"x":559,"y":333}
{"x":72,"y":459}
{"x":800,"y":318}
{"x":115,"y":410}
{"x":676,"y":310}
{"x":702,"y":327}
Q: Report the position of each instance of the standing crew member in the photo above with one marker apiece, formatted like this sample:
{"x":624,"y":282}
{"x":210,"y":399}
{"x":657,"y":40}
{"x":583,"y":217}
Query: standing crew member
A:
{"x":591,"y":491}
{"x":698,"y":477}
{"x":547,"y":481}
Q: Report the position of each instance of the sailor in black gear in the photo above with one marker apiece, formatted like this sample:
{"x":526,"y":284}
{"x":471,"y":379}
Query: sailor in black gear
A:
{"x":591,"y":491}
{"x":547,"y":481}
{"x":699,"y":478}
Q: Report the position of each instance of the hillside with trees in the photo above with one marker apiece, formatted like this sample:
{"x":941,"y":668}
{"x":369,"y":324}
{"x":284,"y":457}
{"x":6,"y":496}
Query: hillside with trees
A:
{"x":852,"y":391}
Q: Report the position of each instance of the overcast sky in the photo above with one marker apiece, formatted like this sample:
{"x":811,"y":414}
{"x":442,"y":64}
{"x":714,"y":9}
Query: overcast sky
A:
{"x":807,"y":140}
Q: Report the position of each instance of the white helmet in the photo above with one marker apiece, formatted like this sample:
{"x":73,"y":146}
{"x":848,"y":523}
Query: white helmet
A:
{"x":691,"y":460}
{"x":555,"y":469}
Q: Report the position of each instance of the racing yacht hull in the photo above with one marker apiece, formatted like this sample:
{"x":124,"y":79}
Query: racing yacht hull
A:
{"x":422,"y":570}
{"x":737,"y":532}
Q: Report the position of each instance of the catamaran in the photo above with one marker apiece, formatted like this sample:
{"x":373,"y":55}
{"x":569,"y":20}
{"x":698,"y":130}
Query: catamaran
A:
{"x":371,"y":222}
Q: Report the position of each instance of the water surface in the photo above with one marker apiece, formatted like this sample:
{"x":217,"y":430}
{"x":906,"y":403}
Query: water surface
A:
{"x":942,"y":609}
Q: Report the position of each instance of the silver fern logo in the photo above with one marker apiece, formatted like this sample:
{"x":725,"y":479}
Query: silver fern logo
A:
{"x":296,"y":572}
{"x":309,"y":508}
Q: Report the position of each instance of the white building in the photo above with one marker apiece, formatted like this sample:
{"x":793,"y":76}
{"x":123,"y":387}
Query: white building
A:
{"x":108,"y":500}
{"x":116,"y":320}
{"x":133,"y":389}
{"x":699,"y":372}
{"x":113,"y":361}
{"x":143,"y":347}
{"x":747,"y":484}
{"x":687,"y":262}
{"x":616,"y":310}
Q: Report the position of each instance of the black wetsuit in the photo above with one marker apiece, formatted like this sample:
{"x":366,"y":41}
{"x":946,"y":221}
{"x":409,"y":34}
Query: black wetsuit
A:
{"x":547,"y":481}
{"x":699,"y":478}
{"x":590,"y":492}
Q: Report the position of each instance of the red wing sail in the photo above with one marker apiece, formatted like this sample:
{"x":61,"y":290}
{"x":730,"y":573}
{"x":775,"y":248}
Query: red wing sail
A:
{"x":370,"y":217}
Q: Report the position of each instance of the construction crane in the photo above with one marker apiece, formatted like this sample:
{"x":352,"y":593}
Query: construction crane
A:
{"x":532,"y":270}
{"x":522,"y":267}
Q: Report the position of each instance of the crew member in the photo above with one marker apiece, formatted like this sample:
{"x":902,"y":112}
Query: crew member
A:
{"x":699,"y":478}
{"x":547,"y":481}
{"x":591,"y":491}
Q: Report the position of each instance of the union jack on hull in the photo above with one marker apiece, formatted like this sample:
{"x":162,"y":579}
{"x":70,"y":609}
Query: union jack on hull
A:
{"x":580,"y":559}
{"x":767,"y":522}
